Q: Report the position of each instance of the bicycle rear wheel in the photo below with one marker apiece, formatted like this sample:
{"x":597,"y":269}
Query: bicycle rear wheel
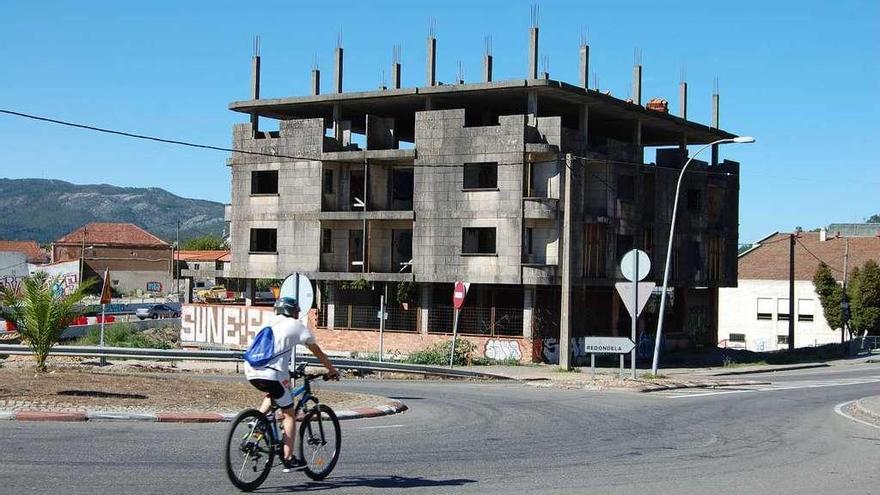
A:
{"x":319,"y":441}
{"x":248,"y":452}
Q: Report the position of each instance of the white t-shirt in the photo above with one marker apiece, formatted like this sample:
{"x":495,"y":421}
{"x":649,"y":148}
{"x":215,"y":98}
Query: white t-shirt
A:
{"x":288,"y":332}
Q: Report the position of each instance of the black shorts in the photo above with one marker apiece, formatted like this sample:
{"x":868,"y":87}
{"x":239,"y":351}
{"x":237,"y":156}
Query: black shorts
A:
{"x":279,"y":392}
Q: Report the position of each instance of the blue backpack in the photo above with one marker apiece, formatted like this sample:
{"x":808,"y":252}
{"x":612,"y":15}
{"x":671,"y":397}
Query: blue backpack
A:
{"x":262,"y":350}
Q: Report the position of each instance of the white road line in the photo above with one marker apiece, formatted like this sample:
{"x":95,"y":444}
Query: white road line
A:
{"x":379,"y":426}
{"x":704,"y":394}
{"x":839,"y":410}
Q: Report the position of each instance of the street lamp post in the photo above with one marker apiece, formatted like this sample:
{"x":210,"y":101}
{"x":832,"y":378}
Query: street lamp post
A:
{"x":742,"y":139}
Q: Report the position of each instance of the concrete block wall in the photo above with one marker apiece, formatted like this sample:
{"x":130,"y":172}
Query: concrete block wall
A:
{"x":442,"y":208}
{"x":293,"y":212}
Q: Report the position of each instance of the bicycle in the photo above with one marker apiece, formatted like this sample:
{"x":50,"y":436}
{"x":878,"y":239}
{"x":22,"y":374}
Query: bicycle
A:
{"x":254,"y":438}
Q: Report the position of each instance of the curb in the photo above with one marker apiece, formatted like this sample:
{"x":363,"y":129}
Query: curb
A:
{"x":676,"y":386}
{"x":772,"y":370}
{"x":875,"y":415}
{"x":393,"y":407}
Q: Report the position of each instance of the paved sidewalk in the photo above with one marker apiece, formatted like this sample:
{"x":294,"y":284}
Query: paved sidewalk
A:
{"x":870,"y":406}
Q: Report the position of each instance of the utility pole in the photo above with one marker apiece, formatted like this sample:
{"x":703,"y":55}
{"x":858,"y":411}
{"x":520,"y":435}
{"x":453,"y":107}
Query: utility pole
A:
{"x":82,"y":255}
{"x":565,"y":305}
{"x":175,"y":263}
{"x":791,"y":316}
{"x":845,"y":299}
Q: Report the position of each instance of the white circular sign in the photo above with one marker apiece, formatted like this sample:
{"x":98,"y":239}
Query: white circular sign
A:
{"x":627,"y":265}
{"x":305,"y":296}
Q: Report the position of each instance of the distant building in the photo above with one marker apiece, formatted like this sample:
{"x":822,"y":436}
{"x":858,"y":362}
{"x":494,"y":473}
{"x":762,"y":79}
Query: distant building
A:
{"x":201,"y":269}
{"x":32,"y":251}
{"x":137,"y":259}
{"x":853,"y":230}
{"x":755,"y":314}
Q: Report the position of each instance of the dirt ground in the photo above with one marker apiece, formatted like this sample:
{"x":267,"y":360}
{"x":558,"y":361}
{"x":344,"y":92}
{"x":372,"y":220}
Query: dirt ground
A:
{"x":72,"y":385}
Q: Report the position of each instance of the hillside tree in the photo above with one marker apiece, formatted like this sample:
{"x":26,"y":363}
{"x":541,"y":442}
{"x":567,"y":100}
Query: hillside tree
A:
{"x":207,"y":242}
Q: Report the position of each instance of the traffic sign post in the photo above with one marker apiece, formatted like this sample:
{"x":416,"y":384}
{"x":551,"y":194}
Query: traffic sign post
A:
{"x":459,"y":292}
{"x":607,"y":345}
{"x":299,"y":286}
{"x":635,"y":267}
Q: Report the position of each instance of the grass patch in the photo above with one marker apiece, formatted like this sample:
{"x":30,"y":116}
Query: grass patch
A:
{"x":731,"y":363}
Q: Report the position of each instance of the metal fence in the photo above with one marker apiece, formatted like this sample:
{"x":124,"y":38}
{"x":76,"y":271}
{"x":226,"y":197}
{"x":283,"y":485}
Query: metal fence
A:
{"x":362,"y":317}
{"x":477,"y":320}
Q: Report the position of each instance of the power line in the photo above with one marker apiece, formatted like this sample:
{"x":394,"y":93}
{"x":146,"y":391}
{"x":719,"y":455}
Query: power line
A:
{"x":816,"y":257}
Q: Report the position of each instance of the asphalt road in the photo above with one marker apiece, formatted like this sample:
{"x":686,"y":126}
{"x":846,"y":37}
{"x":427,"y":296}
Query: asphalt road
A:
{"x":503,"y":438}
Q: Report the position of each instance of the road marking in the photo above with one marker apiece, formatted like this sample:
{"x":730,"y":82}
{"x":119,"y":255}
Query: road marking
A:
{"x":379,"y":426}
{"x":839,"y":410}
{"x":794,"y":385}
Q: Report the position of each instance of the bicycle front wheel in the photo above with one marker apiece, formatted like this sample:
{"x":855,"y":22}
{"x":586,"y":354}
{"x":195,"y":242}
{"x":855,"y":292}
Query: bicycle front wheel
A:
{"x":249,"y":452}
{"x":319,"y":441}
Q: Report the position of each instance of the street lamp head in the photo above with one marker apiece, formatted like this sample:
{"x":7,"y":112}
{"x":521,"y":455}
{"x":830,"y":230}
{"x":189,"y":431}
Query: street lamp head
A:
{"x":744,"y":139}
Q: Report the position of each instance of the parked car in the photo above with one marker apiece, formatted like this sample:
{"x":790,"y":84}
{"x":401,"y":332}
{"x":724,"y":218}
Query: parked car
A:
{"x":217,"y":292}
{"x":157,"y":311}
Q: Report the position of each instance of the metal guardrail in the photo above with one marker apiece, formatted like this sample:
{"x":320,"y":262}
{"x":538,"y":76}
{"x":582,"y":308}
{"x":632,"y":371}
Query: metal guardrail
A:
{"x":235,"y":356}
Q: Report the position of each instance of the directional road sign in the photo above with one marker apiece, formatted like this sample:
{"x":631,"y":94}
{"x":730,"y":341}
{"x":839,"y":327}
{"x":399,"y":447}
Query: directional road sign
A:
{"x":607,"y":345}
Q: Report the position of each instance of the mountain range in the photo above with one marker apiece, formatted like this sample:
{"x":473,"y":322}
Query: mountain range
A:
{"x":44,"y":210}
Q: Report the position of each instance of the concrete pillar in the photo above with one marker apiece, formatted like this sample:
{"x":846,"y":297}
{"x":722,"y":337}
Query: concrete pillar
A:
{"x":424,"y":304}
{"x":637,"y":84}
{"x":584,"y":118}
{"x":337,"y":123}
{"x":487,"y":68}
{"x":395,"y":76}
{"x":337,"y":73}
{"x":716,"y":123}
{"x":565,"y":305}
{"x":528,"y":312}
{"x":431,"y":62}
{"x":683,"y":100}
{"x":584,"y":70}
{"x":429,"y":103}
{"x":316,"y":82}
{"x":532,"y":107}
{"x":533,"y":53}
{"x":331,"y":304}
{"x":251,"y":291}
{"x":255,"y":91}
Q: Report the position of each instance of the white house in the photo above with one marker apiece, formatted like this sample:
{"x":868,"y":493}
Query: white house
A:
{"x":755,"y":314}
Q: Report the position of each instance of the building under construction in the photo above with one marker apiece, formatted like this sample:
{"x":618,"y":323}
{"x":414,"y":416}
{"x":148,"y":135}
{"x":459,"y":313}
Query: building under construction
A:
{"x":402,"y":191}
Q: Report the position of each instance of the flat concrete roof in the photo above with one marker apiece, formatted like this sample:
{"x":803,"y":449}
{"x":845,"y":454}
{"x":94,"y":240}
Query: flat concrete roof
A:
{"x":503,"y":98}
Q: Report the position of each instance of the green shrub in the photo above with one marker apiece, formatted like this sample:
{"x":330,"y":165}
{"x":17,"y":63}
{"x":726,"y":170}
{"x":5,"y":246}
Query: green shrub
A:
{"x":124,"y":335}
{"x":438,"y":354}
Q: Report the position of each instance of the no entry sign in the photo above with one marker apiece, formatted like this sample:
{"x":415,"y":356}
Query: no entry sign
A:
{"x":458,"y":294}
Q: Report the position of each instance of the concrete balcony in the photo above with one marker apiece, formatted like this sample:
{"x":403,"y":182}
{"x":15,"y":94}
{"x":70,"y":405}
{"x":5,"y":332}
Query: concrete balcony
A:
{"x":539,"y":274}
{"x":540,"y":208}
{"x":367,"y":215}
{"x":359,"y":156}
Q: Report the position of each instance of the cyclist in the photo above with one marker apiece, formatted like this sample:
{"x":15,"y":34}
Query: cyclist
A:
{"x":274,"y":377}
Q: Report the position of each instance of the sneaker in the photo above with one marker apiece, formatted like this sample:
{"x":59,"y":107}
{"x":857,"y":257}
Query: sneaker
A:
{"x":293,"y":464}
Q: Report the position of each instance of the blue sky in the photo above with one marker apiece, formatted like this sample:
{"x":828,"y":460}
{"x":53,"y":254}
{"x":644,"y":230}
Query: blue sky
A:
{"x":801,"y":77}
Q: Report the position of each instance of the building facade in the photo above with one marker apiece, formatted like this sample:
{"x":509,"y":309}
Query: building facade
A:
{"x":755,"y":315}
{"x":403,"y":191}
{"x":139,"y":262}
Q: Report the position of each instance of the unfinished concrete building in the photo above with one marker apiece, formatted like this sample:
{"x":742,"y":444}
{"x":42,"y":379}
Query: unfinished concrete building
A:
{"x":403,"y":191}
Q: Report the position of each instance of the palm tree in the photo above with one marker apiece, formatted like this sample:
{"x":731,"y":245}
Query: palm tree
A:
{"x":40,"y":314}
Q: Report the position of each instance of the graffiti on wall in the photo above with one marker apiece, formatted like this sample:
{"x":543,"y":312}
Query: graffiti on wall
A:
{"x":154,"y":286}
{"x":502,"y":350}
{"x":222,"y":325}
{"x":11,"y":282}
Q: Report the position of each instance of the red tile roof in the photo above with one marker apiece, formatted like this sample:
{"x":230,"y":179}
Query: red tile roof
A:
{"x":200,"y":255}
{"x":30,"y":249}
{"x":770,"y":259}
{"x":110,"y":234}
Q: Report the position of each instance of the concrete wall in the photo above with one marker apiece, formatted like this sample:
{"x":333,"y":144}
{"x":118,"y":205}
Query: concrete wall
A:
{"x":738,"y":310}
{"x":293,"y":212}
{"x":437,"y":236}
